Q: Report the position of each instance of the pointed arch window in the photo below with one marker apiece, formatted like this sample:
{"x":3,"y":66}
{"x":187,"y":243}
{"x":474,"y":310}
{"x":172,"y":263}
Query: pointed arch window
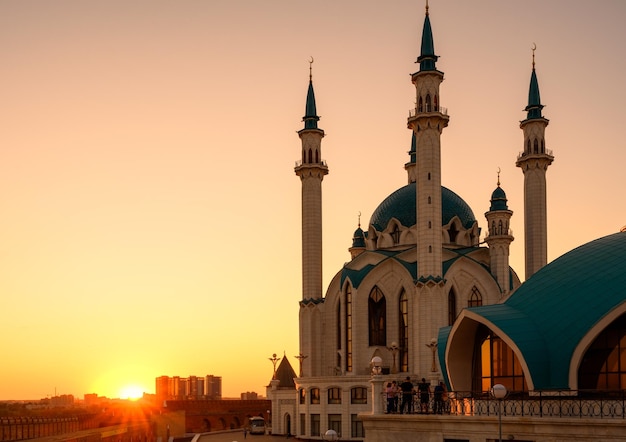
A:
{"x":403,"y":333}
{"x":420,"y":105}
{"x":395,"y":235}
{"x":428,"y":107}
{"x":310,"y":156}
{"x":451,"y":306}
{"x":495,"y":363}
{"x":338,"y":328}
{"x":475,"y":298}
{"x":535,"y":146}
{"x":348,"y":332}
{"x":435,"y":103}
{"x":528,"y":145}
{"x":317,"y":156}
{"x":603,"y":366}
{"x":377,"y":313}
{"x":453,"y":233}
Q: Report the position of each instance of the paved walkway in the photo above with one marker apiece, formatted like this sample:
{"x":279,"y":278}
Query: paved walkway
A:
{"x":237,"y":436}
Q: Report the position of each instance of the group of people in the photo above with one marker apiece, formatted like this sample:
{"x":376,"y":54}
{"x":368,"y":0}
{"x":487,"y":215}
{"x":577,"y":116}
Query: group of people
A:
{"x":406,"y":397}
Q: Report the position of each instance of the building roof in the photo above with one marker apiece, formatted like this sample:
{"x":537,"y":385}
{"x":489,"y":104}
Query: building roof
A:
{"x":401,"y":205}
{"x":550,"y":313}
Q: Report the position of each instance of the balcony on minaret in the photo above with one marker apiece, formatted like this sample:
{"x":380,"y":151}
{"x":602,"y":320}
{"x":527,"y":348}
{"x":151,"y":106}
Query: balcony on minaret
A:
{"x":321,"y":163}
{"x":523,"y":154}
{"x":425,"y":109}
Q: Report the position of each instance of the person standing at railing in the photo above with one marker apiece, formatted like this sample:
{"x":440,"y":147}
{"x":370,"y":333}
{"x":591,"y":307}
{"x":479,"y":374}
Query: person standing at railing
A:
{"x":423,"y":389}
{"x":407,"y":396}
{"x":438,"y":394}
{"x":390,"y":393}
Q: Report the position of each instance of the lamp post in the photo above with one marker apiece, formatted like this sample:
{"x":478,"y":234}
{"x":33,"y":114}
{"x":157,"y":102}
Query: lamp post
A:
{"x":433,"y":349}
{"x":499,"y":392}
{"x":394,"y":351}
{"x":331,"y":436}
{"x":274,"y":360}
{"x":376,"y":364}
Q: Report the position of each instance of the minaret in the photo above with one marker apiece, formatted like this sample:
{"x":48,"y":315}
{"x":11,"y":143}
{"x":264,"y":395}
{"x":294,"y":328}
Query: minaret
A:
{"x":499,"y":237}
{"x":311,"y":170}
{"x":534,"y":161}
{"x":427,"y":121}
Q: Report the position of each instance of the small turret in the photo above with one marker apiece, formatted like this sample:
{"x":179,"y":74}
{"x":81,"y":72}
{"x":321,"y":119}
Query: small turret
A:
{"x":358,"y":241}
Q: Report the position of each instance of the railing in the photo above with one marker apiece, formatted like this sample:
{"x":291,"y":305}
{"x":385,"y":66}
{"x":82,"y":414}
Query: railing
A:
{"x":427,"y":109}
{"x":562,"y":404}
{"x":527,"y":154}
{"x":321,"y":163}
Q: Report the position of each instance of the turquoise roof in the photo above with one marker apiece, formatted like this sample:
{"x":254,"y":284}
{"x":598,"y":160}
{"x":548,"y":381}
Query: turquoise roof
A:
{"x":401,"y":205}
{"x":553,"y":310}
{"x":498,"y":200}
{"x":310,"y":118}
{"x":427,"y":58}
{"x":534,"y":100}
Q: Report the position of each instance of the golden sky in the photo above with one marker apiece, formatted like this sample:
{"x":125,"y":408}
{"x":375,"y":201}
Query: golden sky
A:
{"x":149,"y":212}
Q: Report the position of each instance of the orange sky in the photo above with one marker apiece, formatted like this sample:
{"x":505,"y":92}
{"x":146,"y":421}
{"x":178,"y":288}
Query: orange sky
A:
{"x":149,"y":212}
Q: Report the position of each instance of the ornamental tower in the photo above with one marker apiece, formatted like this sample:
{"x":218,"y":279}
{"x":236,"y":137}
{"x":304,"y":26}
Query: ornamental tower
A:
{"x":427,"y":121}
{"x":311,"y":170}
{"x":499,"y":238}
{"x":534,"y":162}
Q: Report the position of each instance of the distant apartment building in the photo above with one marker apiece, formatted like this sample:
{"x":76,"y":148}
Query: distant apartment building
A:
{"x":191,"y":388}
{"x":249,"y":396}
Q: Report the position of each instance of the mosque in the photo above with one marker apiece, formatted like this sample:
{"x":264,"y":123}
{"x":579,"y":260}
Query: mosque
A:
{"x":424,"y":297}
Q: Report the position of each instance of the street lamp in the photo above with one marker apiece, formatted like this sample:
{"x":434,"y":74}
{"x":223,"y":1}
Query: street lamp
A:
{"x":499,"y":392}
{"x":376,"y":365}
{"x":274,"y":360}
{"x":331,"y":436}
{"x":433,"y":349}
{"x":394,"y":351}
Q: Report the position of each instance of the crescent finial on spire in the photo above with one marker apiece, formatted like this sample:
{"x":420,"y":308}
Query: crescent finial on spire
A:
{"x":534,"y":48}
{"x":359,"y":219}
{"x":311,"y":68}
{"x":498,"y":177}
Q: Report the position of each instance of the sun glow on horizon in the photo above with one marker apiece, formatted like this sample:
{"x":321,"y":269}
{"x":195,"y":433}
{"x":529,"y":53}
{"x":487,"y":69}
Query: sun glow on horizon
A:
{"x":131,"y":392}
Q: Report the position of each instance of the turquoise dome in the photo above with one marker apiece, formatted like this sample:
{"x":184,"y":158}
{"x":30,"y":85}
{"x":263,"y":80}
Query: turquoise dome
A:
{"x":498,"y":200}
{"x":401,"y":205}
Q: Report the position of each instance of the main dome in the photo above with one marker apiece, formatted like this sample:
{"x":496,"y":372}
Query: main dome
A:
{"x":401,"y":205}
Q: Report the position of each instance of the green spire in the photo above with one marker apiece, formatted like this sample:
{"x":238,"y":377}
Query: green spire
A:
{"x":427,"y":56}
{"x":534,"y":100}
{"x":310,"y":113}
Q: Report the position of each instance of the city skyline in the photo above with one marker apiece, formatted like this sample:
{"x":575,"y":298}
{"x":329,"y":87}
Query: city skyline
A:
{"x":150,"y":213}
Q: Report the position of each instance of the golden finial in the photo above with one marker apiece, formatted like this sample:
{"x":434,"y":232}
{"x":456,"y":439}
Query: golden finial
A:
{"x":426,"y":7}
{"x":359,"y":219}
{"x":311,"y":69}
{"x":534,"y":48}
{"x":498,"y":177}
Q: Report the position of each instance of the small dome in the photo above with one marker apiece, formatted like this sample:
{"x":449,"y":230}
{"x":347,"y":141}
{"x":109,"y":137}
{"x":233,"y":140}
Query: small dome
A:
{"x":401,"y":205}
{"x":498,"y":200}
{"x":358,"y":239}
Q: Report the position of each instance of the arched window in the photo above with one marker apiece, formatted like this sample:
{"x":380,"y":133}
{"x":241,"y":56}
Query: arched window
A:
{"x":377,"y":310}
{"x":310,"y":156}
{"x":495,"y":363}
{"x":338,"y":325}
{"x":403,"y":332}
{"x":395,"y":235}
{"x":535,"y":146}
{"x":475,"y":299}
{"x":315,"y":395}
{"x":302,"y":396}
{"x":453,"y":232}
{"x":451,"y":307}
{"x":428,"y":108}
{"x":428,"y":200}
{"x":603,"y":366}
{"x":500,"y":232}
{"x":348,"y":355}
{"x":543,"y":146}
{"x":358,"y":395}
{"x":435,"y":104}
{"x":420,"y":106}
{"x":334,"y":395}
{"x":317,"y":156}
{"x":528,"y":145}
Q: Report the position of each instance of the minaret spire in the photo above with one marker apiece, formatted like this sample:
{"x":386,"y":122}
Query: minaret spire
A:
{"x":534,"y":162}
{"x":311,"y":170}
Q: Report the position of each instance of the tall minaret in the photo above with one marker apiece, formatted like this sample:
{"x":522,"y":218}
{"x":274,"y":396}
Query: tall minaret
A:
{"x":534,"y":161}
{"x":499,"y":237}
{"x":311,"y":170}
{"x":427,"y":122}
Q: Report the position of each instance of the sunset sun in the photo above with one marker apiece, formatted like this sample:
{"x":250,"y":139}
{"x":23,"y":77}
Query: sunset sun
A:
{"x":131,"y":392}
